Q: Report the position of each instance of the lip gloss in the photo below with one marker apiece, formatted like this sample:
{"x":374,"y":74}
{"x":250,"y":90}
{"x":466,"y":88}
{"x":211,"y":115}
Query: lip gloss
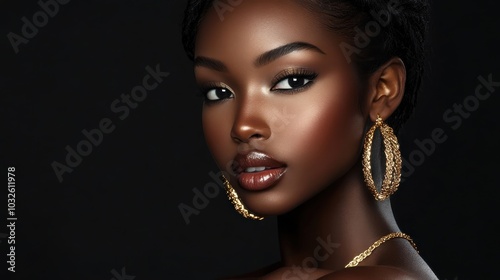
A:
{"x":260,"y":180}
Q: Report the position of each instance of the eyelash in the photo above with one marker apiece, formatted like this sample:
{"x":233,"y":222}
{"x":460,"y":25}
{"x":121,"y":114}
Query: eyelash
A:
{"x":294,"y":73}
{"x":286,"y":74}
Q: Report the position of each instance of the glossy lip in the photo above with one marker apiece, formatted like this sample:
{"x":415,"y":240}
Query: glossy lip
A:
{"x":257,"y":180}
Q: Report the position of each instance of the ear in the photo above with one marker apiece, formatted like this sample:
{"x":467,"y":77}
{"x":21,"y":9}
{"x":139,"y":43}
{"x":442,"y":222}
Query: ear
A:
{"x":386,"y":89}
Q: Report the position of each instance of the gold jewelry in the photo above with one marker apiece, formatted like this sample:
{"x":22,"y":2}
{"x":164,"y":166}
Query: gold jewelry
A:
{"x":235,"y":200}
{"x":377,"y":243}
{"x":393,"y":161}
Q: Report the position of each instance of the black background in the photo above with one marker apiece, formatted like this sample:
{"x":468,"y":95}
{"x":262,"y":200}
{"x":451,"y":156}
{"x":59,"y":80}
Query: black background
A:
{"x":118,"y":209}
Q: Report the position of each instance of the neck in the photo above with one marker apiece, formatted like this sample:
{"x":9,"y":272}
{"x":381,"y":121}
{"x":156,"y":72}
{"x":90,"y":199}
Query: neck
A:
{"x":336,"y":225}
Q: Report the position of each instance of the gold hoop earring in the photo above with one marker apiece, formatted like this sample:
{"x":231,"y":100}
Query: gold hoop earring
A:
{"x":235,"y":200}
{"x":393,"y":161}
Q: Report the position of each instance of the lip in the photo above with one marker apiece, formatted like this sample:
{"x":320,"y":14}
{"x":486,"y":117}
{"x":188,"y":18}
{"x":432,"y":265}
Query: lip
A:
{"x":249,"y":174}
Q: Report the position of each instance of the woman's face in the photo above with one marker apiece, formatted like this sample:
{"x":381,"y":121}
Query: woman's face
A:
{"x":277,"y":85}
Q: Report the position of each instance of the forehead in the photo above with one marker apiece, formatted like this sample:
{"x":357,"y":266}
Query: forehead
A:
{"x":256,"y":26}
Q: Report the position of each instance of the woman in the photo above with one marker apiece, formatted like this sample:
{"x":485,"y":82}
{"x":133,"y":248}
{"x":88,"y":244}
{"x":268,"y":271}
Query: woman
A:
{"x":299,"y":97}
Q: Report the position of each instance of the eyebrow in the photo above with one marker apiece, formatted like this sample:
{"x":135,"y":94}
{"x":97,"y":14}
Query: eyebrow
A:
{"x":263,"y":59}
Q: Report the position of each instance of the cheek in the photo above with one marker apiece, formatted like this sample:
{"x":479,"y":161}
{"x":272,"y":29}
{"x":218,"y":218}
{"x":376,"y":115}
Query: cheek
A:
{"x":327,"y":135}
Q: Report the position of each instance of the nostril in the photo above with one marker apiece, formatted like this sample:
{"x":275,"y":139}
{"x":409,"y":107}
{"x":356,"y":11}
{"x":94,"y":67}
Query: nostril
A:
{"x":236,"y":139}
{"x":256,"y":135}
{"x":246,"y":128}
{"x":246,"y":139}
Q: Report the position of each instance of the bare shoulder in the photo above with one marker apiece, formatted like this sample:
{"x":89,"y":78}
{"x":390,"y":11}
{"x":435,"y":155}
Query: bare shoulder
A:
{"x":377,"y":273}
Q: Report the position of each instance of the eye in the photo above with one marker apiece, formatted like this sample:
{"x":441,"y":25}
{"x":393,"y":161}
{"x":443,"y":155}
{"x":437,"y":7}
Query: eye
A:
{"x":293,"y":80}
{"x":217,"y":94}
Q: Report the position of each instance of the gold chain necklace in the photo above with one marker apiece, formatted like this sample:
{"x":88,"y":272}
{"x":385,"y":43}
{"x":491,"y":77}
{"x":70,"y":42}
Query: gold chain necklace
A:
{"x":377,"y":243}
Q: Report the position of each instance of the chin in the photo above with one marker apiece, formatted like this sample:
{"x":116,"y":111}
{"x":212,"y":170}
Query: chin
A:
{"x":270,"y":203}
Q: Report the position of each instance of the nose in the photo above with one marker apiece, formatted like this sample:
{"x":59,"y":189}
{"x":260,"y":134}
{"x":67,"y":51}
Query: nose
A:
{"x":250,"y":122}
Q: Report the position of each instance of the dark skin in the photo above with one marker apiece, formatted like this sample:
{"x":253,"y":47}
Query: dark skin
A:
{"x":306,"y":108}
